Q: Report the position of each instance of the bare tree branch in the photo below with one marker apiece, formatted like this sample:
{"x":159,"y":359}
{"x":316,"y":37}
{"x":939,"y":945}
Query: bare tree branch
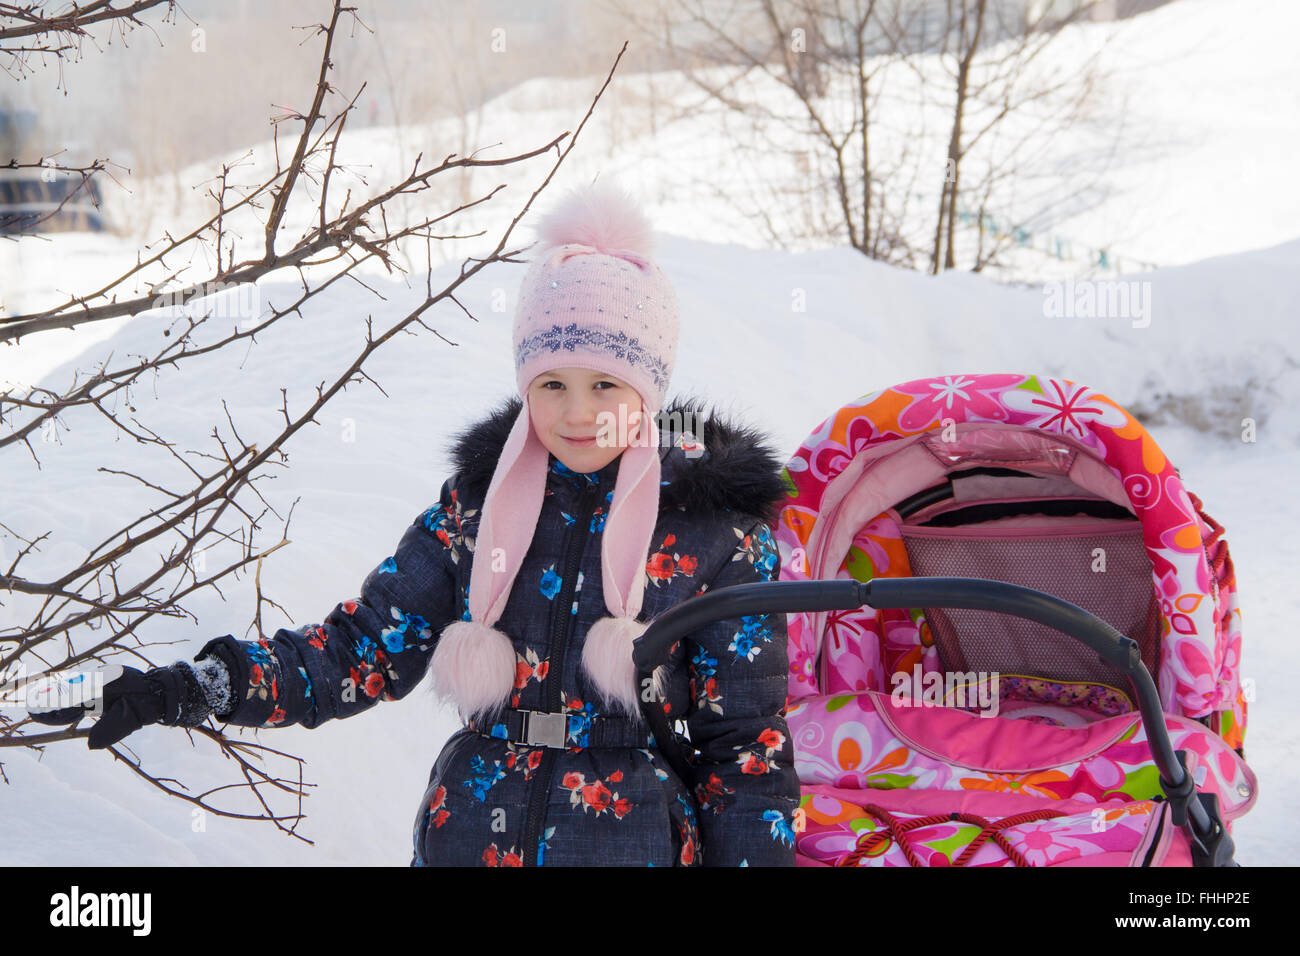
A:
{"x":91,"y":609}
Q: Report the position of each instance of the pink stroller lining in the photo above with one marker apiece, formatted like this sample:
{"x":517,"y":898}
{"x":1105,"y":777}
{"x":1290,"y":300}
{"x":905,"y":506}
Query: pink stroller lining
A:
{"x":867,"y":741}
{"x":1094,"y":563}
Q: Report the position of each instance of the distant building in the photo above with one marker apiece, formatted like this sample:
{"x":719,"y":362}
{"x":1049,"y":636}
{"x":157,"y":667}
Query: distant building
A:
{"x":34,"y":199}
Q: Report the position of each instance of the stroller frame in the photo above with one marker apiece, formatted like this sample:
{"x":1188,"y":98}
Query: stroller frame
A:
{"x":1197,"y":812}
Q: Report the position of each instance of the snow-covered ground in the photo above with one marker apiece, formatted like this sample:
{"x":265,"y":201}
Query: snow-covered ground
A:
{"x":1209,"y":345}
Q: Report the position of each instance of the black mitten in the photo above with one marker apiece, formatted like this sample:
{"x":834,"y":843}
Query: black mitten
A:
{"x":168,"y":695}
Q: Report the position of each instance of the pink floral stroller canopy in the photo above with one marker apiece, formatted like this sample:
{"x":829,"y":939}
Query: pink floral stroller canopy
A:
{"x":946,"y":736}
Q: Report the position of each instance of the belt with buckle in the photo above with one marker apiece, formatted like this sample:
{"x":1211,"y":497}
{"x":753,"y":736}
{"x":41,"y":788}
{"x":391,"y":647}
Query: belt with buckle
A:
{"x":538,"y":728}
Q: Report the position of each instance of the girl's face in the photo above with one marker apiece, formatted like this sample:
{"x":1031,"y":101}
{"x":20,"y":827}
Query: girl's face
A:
{"x":576,"y":412}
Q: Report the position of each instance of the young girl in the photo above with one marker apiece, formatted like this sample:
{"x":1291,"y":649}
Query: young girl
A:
{"x":577,"y":513}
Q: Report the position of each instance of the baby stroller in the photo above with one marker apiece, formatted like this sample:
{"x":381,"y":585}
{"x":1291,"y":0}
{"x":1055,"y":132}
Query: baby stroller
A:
{"x":1014,"y":636}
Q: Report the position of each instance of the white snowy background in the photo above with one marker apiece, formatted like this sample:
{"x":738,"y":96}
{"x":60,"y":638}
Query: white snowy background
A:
{"x":1212,"y":198}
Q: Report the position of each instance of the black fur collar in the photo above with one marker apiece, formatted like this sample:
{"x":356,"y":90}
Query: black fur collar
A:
{"x":738,"y":470}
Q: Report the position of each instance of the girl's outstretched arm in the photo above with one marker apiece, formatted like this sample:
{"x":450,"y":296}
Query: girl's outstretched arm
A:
{"x":745,"y":781}
{"x":370,"y":648}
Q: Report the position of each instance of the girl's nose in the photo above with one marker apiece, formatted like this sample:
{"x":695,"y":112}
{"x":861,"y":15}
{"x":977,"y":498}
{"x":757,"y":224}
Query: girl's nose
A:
{"x":579,"y":414}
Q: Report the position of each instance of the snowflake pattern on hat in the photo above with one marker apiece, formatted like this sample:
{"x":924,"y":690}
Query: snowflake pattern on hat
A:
{"x":618,"y":344}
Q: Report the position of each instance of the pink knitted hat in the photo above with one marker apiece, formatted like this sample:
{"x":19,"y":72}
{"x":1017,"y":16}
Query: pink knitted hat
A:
{"x":591,"y":299}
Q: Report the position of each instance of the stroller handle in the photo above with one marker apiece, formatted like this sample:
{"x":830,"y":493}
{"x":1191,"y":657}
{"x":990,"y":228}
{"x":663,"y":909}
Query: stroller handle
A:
{"x":654,"y":648}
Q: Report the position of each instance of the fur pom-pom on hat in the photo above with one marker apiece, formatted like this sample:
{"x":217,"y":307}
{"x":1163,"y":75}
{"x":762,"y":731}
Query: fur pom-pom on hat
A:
{"x":603,"y":216}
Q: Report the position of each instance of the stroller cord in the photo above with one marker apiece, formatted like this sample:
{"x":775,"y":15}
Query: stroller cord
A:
{"x":897,"y":830}
{"x":1218,"y":559}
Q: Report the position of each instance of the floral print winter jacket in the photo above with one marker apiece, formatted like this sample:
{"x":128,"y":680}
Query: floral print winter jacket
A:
{"x":608,"y":801}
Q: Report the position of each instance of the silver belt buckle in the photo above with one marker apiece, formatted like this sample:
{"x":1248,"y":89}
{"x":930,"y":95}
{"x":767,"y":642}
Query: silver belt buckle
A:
{"x":545,"y":730}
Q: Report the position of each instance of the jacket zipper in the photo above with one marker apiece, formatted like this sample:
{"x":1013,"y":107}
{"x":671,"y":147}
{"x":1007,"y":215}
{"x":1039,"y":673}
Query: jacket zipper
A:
{"x":555,"y":672}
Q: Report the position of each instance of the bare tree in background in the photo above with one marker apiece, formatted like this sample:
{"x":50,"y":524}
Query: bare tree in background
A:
{"x":737,"y":55}
{"x":89,"y":612}
{"x":992,"y":85}
{"x":810,"y":94}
